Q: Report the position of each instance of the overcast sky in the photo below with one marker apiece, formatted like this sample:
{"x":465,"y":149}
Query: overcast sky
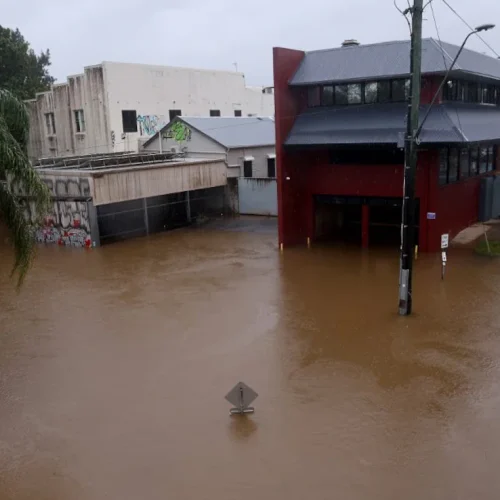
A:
{"x":217,"y":33}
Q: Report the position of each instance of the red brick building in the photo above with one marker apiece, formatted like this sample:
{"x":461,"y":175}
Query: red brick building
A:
{"x":340,"y":121}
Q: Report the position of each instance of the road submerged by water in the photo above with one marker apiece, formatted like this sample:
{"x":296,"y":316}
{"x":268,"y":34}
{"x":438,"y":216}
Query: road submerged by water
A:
{"x":114,"y":364}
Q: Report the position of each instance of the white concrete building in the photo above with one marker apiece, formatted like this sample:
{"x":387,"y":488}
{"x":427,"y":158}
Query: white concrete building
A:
{"x":112,"y":107}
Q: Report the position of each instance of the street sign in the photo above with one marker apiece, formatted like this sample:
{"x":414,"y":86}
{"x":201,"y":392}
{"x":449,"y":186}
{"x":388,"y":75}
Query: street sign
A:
{"x":241,"y":396}
{"x":431,"y":215}
{"x":445,"y":238}
{"x":444,"y":258}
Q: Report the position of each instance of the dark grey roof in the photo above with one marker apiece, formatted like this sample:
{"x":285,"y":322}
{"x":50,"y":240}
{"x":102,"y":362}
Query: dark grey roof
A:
{"x":387,"y":60}
{"x":234,"y":132}
{"x":386,"y":123}
{"x":475,"y":123}
{"x":231,"y":132}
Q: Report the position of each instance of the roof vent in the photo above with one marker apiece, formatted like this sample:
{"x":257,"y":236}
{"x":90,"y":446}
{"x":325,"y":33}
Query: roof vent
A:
{"x":350,"y":43}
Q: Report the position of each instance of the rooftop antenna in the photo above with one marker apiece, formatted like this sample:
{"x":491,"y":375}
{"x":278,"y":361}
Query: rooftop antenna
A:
{"x":235,"y":64}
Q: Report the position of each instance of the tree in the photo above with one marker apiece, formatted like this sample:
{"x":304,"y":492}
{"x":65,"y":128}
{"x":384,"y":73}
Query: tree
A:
{"x":18,"y":174}
{"x":22,"y":71}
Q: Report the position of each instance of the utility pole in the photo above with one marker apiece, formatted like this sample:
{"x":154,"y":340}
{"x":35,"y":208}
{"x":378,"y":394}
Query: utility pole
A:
{"x":410,"y":166}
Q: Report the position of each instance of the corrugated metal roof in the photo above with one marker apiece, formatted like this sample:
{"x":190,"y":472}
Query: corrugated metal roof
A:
{"x":387,"y":60}
{"x":386,"y":124}
{"x":235,"y":132}
{"x":476,"y":123}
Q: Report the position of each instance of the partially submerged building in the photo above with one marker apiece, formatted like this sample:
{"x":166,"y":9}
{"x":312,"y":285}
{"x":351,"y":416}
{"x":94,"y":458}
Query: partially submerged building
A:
{"x":110,"y":106}
{"x":340,"y":123}
{"x":104,"y":198}
{"x":247,"y":145}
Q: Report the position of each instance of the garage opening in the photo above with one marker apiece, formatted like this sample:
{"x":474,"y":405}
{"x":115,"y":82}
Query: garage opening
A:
{"x":360,"y":220}
{"x":337,"y":219}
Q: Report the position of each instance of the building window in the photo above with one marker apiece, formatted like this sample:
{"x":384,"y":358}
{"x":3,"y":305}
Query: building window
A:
{"x":472,"y":92}
{"x":50,"y":123}
{"x":129,"y":120}
{"x":237,"y":112}
{"x":247,"y":168}
{"x":443,"y":166}
{"x":215,"y":112}
{"x":327,"y":95}
{"x":400,"y":90}
{"x":341,"y":94}
{"x":453,"y":165}
{"x":354,"y":93}
{"x":313,"y":96}
{"x":483,"y":160}
{"x":474,"y":161}
{"x":491,"y":158}
{"x":384,"y":91}
{"x":271,"y":167}
{"x":172,"y":113}
{"x":464,"y":163}
{"x":79,"y":121}
{"x":371,"y":92}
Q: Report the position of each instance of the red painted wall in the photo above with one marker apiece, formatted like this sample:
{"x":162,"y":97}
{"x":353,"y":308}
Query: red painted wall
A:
{"x":286,"y":108}
{"x":316,"y":176}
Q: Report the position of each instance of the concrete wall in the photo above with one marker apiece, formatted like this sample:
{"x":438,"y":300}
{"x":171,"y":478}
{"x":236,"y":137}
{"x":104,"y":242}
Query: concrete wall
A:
{"x":82,"y":92}
{"x":257,"y":196}
{"x":154,"y":90}
{"x":116,"y":185}
{"x":71,"y":220}
{"x":260,"y":155}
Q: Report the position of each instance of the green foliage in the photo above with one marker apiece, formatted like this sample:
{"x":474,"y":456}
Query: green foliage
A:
{"x":16,"y":170}
{"x":22,"y":71}
{"x":493,"y":250}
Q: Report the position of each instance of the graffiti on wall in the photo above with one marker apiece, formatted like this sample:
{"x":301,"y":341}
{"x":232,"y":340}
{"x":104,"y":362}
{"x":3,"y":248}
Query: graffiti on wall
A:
{"x":179,"y":132}
{"x":149,"y":124}
{"x":67,"y":224}
{"x":68,"y":186}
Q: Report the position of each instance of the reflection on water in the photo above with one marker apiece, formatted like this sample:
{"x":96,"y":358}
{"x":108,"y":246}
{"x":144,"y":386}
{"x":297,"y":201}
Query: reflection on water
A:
{"x":114,"y":364}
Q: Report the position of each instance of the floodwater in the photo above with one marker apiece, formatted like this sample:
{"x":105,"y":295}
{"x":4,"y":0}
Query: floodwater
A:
{"x":114,"y":364}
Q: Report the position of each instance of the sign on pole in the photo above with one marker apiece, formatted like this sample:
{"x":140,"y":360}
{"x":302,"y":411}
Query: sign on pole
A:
{"x":445,"y":238}
{"x":241,"y":396}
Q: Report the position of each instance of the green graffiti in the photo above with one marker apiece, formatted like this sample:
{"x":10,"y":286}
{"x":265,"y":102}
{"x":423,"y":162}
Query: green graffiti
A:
{"x":179,"y":132}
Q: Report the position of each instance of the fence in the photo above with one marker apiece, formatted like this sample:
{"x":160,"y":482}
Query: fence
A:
{"x":129,"y":219}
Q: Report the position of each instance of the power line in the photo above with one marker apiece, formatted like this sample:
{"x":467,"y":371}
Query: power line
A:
{"x":442,"y":53}
{"x":403,"y":14}
{"x":471,"y":28}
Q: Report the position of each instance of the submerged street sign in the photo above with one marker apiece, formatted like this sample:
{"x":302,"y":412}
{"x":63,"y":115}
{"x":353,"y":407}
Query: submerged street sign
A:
{"x":445,"y":238}
{"x":241,"y":396}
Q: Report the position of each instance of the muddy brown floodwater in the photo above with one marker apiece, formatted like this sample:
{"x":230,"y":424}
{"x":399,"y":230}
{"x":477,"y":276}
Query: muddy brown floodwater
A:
{"x":114,"y":364}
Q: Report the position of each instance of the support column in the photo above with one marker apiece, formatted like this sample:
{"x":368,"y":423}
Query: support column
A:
{"x":365,"y":226}
{"x":145,"y":211}
{"x":188,"y":207}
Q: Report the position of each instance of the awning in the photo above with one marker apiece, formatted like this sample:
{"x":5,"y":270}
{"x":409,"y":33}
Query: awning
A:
{"x":385,"y":124}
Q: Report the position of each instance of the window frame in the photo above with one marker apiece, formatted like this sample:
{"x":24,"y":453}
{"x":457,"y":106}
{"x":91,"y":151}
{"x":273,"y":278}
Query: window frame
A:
{"x":174,"y":113}
{"x":271,"y":167}
{"x":247,"y":164}
{"x":215,"y":113}
{"x":322,"y":100}
{"x":79,"y":115}
{"x":129,"y":126}
{"x":238,"y":113}
{"x":50,"y":123}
